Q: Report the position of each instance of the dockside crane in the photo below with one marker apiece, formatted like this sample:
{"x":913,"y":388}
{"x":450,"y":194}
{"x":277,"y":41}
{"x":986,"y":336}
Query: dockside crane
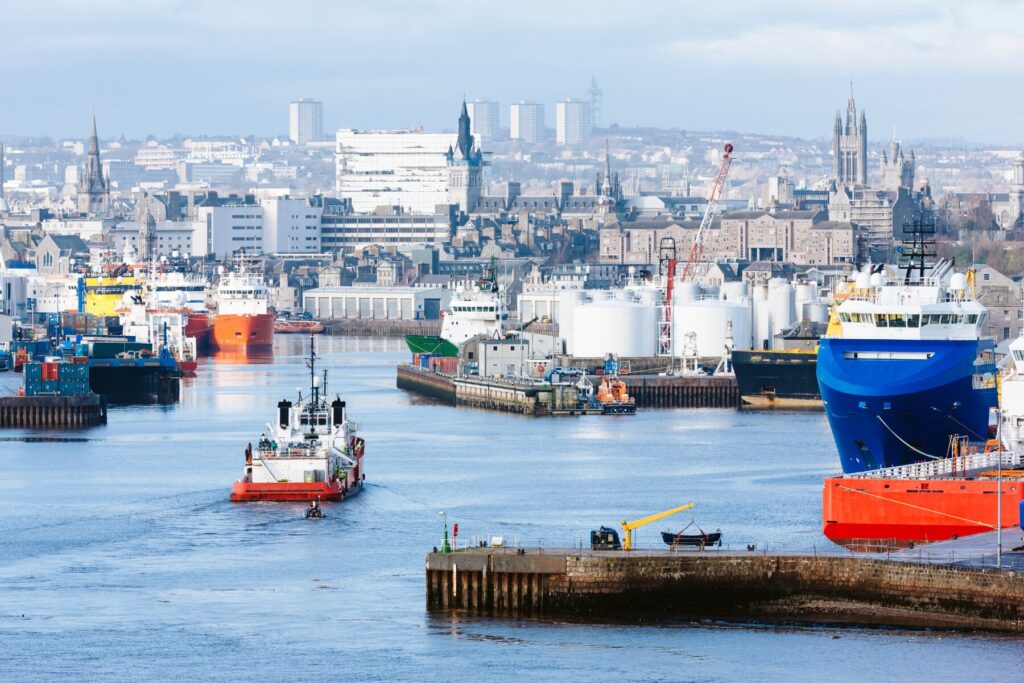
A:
{"x":667,"y":255}
{"x":628,"y":527}
{"x":697,"y":248}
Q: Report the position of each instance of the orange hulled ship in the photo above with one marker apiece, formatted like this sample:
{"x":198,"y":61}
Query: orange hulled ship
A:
{"x":243,"y":321}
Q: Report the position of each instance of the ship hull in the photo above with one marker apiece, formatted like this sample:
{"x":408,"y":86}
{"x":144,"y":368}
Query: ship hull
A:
{"x":437,"y":346}
{"x":297,"y":491}
{"x":200,"y":327}
{"x":243,"y":332}
{"x":898,"y":402}
{"x":777,"y":379}
{"x":901,"y":511}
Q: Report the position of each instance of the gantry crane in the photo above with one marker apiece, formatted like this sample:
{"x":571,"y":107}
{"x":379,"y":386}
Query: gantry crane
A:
{"x":628,"y":527}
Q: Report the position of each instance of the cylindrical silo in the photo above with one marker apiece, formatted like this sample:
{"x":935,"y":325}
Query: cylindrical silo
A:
{"x":568,"y":299}
{"x":780,"y":301}
{"x":815,"y":311}
{"x":686,"y":291}
{"x":732,"y":291}
{"x":761,"y":316}
{"x":710,"y":320}
{"x":626,"y":329}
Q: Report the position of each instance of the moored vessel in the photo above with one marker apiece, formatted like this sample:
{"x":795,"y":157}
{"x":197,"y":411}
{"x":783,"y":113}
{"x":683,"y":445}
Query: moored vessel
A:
{"x":243,"y":321}
{"x":475,"y":309}
{"x":310,"y":452}
{"x":777,"y":379}
{"x":911,"y":368}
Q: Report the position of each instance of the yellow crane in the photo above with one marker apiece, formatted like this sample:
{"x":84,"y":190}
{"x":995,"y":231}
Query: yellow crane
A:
{"x":628,"y":527}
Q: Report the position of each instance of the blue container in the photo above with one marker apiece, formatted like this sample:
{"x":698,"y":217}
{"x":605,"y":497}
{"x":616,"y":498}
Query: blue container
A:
{"x":33,"y":386}
{"x":33,"y":371}
{"x":425,"y":359}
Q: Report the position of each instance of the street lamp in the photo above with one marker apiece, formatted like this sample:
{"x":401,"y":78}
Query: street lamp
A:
{"x":999,"y":492}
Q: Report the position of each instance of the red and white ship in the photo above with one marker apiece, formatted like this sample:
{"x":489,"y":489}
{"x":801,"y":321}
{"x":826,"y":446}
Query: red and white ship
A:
{"x":243,"y":321}
{"x":310,"y":452}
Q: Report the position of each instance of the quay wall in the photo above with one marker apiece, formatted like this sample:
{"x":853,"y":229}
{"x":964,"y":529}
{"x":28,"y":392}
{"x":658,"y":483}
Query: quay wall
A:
{"x":53,"y":411}
{"x":367,"y":327}
{"x":430,"y":384}
{"x":823,"y":589}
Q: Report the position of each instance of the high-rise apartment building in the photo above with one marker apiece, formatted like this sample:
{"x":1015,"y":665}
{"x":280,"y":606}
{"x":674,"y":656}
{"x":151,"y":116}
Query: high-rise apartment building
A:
{"x":574,"y":122}
{"x":484,"y":119}
{"x":526,"y":121}
{"x":305,"y":121}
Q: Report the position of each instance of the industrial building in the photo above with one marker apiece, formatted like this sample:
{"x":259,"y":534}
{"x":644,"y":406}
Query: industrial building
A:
{"x":376,"y":303}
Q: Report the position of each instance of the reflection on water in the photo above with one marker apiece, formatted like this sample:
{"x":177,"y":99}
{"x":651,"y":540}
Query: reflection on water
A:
{"x":235,"y":357}
{"x":143,"y":565}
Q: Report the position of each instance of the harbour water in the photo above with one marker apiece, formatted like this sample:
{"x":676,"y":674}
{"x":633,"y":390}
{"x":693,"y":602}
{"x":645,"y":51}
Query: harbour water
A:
{"x":121,"y":557}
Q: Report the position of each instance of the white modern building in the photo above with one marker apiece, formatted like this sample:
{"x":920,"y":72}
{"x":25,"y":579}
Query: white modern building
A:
{"x":305,"y":121}
{"x":574,"y":122}
{"x":228,"y":228}
{"x":484,"y":119}
{"x":392,"y":168}
{"x":291,"y":226}
{"x":170,"y":238}
{"x":526,"y":121}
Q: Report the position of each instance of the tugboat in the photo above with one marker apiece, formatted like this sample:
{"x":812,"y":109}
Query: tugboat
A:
{"x":310,"y":453}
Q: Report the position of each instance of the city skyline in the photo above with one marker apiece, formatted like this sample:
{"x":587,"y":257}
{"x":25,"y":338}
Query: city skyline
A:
{"x":773,"y":70}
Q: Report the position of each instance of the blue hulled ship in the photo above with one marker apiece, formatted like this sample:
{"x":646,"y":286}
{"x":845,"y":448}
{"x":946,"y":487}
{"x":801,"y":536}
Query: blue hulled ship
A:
{"x":909,"y":369}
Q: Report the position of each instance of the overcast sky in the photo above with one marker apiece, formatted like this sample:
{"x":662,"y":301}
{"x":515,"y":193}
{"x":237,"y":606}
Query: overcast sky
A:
{"x":939,"y":69}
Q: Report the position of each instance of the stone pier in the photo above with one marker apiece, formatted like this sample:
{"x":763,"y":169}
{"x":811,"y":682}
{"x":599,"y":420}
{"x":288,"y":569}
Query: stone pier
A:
{"x":644,"y":585}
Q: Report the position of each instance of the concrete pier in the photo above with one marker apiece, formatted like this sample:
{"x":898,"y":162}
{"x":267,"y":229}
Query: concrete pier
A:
{"x":53,"y":411}
{"x":684,"y":584}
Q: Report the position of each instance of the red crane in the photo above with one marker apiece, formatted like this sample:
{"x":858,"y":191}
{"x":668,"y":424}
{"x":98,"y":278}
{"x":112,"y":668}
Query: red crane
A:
{"x":697,"y":248}
{"x":668,"y":259}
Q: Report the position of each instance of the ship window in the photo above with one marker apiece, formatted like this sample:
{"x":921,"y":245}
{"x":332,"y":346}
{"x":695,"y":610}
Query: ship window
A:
{"x":880,"y":320}
{"x":897,"y":320}
{"x":913,"y":320}
{"x":946,"y":319}
{"x":972,"y":318}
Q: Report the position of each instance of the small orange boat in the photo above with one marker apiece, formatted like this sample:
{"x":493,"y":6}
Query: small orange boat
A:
{"x":614,"y":397}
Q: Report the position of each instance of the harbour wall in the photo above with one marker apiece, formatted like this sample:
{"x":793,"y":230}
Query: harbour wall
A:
{"x":360,"y":327}
{"x":645,"y":585}
{"x":53,"y":411}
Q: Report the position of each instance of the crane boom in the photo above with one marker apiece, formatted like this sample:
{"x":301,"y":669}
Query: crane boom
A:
{"x":697,"y":248}
{"x":628,"y":527}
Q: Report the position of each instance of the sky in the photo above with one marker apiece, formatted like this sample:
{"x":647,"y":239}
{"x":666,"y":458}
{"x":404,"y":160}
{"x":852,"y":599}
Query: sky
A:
{"x":936,"y":69}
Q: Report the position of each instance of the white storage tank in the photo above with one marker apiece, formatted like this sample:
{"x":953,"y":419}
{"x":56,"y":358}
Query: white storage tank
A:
{"x":624,"y":328}
{"x":685,"y":291}
{"x":734,"y":291}
{"x":815,"y":311}
{"x":761,"y":316}
{"x":568,"y":299}
{"x":780,"y":301}
{"x":709,"y":320}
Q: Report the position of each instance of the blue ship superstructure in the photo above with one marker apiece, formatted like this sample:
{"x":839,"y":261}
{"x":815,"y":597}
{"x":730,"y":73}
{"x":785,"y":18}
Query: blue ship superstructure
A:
{"x":909,"y":370}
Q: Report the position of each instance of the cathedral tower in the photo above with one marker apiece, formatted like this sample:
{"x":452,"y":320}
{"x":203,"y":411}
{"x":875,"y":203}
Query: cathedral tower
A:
{"x":93,"y":188}
{"x":850,"y":146}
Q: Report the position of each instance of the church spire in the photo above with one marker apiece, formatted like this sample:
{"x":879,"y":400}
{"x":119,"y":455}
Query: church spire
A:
{"x":465,"y":141}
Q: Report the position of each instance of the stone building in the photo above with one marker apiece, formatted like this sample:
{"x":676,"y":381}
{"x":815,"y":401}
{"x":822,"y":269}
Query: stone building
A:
{"x":804,"y":237}
{"x":1005,"y":303}
{"x":465,"y":163}
{"x":897,"y":170}
{"x":850,"y":146}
